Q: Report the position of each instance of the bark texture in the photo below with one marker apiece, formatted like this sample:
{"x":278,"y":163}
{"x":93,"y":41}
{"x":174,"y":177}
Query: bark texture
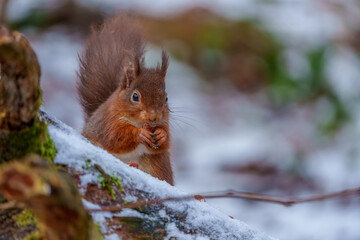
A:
{"x":51,"y":195}
{"x":37,"y":201}
{"x":19,"y":83}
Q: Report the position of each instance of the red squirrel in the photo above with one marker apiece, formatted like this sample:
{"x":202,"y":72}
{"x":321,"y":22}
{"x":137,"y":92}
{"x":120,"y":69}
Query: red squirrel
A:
{"x":125,"y":102}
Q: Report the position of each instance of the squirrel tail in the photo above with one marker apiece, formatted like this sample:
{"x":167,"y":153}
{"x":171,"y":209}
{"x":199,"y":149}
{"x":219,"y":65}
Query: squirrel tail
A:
{"x":108,"y":51}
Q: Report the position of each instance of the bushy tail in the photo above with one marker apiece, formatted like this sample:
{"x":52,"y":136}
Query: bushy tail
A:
{"x":108,"y":51}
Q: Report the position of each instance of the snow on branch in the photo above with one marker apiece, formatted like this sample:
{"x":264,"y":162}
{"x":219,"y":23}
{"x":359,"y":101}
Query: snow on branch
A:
{"x":122,"y":184}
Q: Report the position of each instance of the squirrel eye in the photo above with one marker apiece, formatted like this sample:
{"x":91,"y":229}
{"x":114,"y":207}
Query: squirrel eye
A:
{"x":135,"y":97}
{"x":166,"y":100}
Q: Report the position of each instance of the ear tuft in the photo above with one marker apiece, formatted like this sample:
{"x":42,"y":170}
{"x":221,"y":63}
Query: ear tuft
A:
{"x":129,"y":77}
{"x":165,"y":62}
{"x":139,"y":63}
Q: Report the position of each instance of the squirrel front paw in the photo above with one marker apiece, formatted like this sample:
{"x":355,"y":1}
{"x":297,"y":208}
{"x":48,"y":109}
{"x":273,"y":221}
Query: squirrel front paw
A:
{"x":146,"y":138}
{"x":153,"y":138}
{"x":160,"y":136}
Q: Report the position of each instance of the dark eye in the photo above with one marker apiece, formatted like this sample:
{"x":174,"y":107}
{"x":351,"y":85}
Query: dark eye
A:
{"x":166,"y":100}
{"x":135,"y":97}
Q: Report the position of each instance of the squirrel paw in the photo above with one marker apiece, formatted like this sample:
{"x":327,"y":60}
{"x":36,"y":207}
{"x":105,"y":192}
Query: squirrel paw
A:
{"x":153,"y":139}
{"x":159,"y":136}
{"x":146,"y":137}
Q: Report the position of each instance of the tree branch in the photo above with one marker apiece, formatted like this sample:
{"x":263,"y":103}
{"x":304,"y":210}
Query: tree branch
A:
{"x":286,"y":201}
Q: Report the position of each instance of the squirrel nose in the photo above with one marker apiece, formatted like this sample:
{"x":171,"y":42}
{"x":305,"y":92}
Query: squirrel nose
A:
{"x":152,"y":115}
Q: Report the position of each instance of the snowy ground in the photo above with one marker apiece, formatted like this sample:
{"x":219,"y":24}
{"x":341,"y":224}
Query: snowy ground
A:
{"x":215,"y":128}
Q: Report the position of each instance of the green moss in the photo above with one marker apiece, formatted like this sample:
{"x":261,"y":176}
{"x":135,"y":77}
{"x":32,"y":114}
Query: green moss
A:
{"x":26,"y":218}
{"x":48,"y":149}
{"x":87,"y":165}
{"x":108,"y":185}
{"x":105,"y":184}
{"x":118,"y":183}
{"x":34,"y":139}
{"x":33,"y":236}
{"x":97,"y":231}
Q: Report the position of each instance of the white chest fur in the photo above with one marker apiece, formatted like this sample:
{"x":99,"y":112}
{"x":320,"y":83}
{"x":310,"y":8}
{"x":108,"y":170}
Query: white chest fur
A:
{"x":133,"y":156}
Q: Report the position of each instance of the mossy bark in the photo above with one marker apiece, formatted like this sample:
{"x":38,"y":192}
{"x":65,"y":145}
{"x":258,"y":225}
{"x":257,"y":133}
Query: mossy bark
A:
{"x":51,"y":204}
{"x":21,"y":131}
{"x":32,"y":139}
{"x":20,"y":91}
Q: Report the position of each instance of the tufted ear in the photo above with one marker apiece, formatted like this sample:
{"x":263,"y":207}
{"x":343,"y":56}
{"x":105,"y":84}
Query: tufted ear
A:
{"x":139,"y":63}
{"x":129,"y":76}
{"x":164,"y":62}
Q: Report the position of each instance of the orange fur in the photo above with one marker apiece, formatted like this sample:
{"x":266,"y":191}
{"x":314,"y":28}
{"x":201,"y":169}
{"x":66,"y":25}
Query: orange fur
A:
{"x":114,"y":120}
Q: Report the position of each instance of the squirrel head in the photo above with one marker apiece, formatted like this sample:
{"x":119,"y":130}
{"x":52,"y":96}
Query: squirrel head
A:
{"x":143,"y":90}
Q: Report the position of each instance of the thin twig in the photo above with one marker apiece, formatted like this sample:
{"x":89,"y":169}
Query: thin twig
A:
{"x":97,"y":166}
{"x":286,"y":201}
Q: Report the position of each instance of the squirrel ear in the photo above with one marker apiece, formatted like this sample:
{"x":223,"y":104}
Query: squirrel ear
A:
{"x":129,"y":76}
{"x":139,"y":62}
{"x":165,"y":62}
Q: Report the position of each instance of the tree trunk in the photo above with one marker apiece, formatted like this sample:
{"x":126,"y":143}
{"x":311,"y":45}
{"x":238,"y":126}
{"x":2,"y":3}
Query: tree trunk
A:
{"x":38,"y":202}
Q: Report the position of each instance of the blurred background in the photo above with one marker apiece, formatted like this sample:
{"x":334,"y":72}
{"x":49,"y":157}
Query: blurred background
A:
{"x":265,"y":94}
